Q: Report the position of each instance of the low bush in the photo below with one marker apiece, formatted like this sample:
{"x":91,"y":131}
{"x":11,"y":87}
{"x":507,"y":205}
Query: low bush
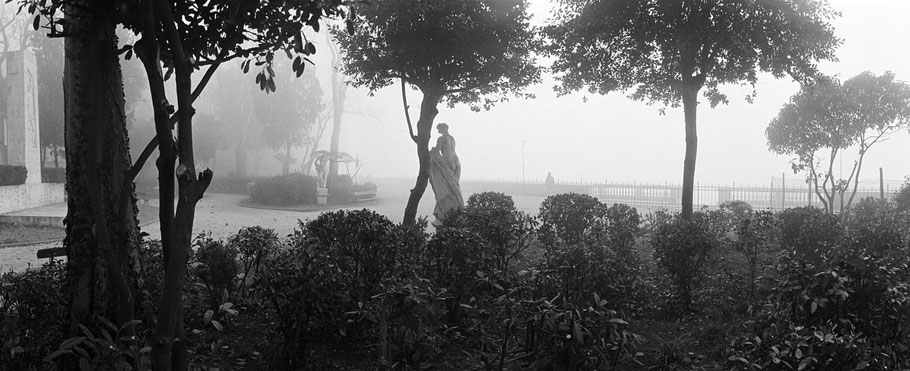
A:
{"x":809,"y":231}
{"x":849,"y":312}
{"x":34,"y":315}
{"x":569,"y":218}
{"x":682,"y":247}
{"x":53,"y":175}
{"x":342,"y":188}
{"x":216,"y":268}
{"x":233,"y":184}
{"x":308,"y":294}
{"x":901,"y":198}
{"x":287,"y":190}
{"x":12,"y":175}
{"x":457,"y":260}
{"x":253,"y":244}
{"x":493,"y":216}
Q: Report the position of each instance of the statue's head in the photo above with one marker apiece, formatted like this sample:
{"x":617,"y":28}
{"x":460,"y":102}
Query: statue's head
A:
{"x":442,"y":128}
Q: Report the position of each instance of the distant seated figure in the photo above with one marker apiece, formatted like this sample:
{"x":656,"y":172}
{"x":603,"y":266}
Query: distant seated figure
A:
{"x":322,"y":171}
{"x":445,"y":172}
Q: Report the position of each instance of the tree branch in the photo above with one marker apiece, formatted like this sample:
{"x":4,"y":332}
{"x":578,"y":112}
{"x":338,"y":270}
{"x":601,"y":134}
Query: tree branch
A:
{"x":407,"y":116}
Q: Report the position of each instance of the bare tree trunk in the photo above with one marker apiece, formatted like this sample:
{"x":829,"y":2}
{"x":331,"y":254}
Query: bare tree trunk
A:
{"x":690,"y":107}
{"x":428,"y":113}
{"x":339,"y":91}
{"x":101,"y":244}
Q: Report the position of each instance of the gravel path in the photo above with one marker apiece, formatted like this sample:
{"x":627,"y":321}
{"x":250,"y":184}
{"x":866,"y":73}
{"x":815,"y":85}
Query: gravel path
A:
{"x":222,"y":215}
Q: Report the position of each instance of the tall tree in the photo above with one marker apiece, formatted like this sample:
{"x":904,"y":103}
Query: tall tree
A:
{"x":833,"y":117}
{"x":289,"y":116}
{"x":453,"y":51}
{"x":181,"y":37}
{"x":668,"y":51}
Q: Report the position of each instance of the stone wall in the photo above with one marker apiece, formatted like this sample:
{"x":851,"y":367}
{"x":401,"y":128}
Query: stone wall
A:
{"x":19,"y":197}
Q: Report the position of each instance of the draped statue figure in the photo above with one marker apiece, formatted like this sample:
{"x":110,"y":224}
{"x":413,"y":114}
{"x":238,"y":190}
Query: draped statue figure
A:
{"x":445,"y":172}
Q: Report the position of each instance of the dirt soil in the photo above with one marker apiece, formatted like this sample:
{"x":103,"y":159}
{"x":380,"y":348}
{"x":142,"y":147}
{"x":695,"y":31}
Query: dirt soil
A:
{"x":17,"y":233}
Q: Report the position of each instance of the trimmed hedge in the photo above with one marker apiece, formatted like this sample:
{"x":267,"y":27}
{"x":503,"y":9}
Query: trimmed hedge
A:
{"x":285,"y":190}
{"x":232,"y":184}
{"x":12,"y":175}
{"x":53,"y":175}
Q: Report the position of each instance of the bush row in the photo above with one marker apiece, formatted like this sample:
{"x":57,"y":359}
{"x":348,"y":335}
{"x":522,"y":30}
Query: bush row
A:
{"x":297,"y":189}
{"x":53,"y":175}
{"x":12,"y":175}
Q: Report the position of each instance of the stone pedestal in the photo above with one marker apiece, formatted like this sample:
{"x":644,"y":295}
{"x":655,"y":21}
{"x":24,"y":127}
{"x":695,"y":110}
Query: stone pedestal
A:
{"x":19,"y":136}
{"x":322,"y":196}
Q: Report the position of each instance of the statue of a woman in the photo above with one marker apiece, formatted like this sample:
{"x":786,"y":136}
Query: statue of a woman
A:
{"x":445,"y":172}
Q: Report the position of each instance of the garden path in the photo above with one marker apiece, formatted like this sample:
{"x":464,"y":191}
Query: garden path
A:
{"x":222,"y":215}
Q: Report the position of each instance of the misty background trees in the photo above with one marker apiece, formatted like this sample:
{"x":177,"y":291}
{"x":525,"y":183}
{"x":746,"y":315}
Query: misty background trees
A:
{"x":828,"y":118}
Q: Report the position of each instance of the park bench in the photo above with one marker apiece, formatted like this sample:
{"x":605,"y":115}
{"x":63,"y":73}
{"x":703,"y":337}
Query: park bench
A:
{"x":51,"y":252}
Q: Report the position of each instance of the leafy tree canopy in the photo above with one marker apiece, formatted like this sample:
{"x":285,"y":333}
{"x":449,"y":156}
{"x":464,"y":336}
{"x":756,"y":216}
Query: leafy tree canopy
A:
{"x":655,"y":47}
{"x":460,"y":49}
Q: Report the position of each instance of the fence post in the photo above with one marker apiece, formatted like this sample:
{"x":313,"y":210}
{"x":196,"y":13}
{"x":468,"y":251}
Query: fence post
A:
{"x":881,"y":183}
{"x":783,"y":191}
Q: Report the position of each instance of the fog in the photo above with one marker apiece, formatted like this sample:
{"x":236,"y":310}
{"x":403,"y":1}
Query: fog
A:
{"x":578,"y":137}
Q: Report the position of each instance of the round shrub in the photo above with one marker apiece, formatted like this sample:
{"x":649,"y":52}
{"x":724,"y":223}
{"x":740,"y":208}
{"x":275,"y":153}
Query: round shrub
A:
{"x":253,"y":244}
{"x":455,"y":260}
{"x":216,"y":268}
{"x":367,"y":245}
{"x":493,"y":216}
{"x":682,"y":247}
{"x":287,"y":190}
{"x":492,"y":200}
{"x":569,"y":218}
{"x":809,"y":231}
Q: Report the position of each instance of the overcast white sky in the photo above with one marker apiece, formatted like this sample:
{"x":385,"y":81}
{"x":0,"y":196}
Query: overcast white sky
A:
{"x":616,"y":139}
{"x":612,"y":138}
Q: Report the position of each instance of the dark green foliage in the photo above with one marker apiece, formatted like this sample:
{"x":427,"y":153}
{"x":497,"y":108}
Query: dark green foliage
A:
{"x":682,"y":248}
{"x":33,"y":315}
{"x":875,"y":226}
{"x":755,"y":234}
{"x":308,"y":292}
{"x":365,"y":245}
{"x":455,"y":260}
{"x":847,"y":312}
{"x":739,"y":209}
{"x":605,"y":264}
{"x":216,"y":268}
{"x":286,"y":190}
{"x":53,"y":175}
{"x":809,"y":231}
{"x":109,"y":348}
{"x":232,"y":184}
{"x":569,"y":218}
{"x":493,"y":216}
{"x":253,"y":245}
{"x":901,"y":198}
{"x":12,"y":175}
